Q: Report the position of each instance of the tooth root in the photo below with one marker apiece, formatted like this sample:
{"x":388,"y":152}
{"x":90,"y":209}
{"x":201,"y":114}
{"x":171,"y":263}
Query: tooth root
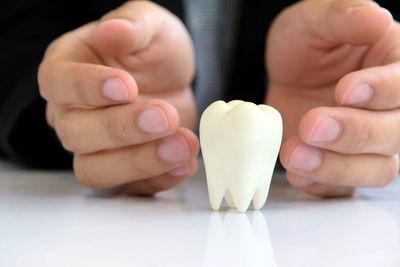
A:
{"x":242,"y":199}
{"x":260,"y":196}
{"x":229,"y":200}
{"x":216,"y":195}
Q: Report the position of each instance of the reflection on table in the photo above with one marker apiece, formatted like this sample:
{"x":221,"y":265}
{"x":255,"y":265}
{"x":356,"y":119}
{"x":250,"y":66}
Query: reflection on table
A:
{"x":48,"y":219}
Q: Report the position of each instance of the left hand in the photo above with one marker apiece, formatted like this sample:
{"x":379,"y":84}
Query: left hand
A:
{"x":334,"y":74}
{"x":118,"y":96}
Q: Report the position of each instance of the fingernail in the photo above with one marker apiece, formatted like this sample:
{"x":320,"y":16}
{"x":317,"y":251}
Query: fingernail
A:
{"x":115,"y":90}
{"x":360,"y":6}
{"x":358,"y":94}
{"x":326,"y":130}
{"x":303,"y":181}
{"x":174,"y":149}
{"x":153,"y":120}
{"x":111,"y":22}
{"x":180,"y":171}
{"x":305,"y":158}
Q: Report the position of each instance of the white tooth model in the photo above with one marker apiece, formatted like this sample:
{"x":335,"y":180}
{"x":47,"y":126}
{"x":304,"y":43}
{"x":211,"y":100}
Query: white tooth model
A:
{"x":240,"y":143}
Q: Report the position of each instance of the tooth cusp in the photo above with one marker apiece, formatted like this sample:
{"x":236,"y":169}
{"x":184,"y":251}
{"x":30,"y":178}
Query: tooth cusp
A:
{"x":229,"y":200}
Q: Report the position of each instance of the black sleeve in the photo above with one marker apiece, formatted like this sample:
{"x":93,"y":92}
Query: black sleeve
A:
{"x":247,"y":79}
{"x":26,"y":29}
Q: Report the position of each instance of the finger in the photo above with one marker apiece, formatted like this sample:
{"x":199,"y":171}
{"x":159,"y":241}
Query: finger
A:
{"x":150,"y":42}
{"x":162,"y":182}
{"x":79,"y":84}
{"x":125,"y":165}
{"x":51,"y":111}
{"x":374,"y":88}
{"x":357,"y":22}
{"x":351,"y":131}
{"x":183,"y":101}
{"x":129,"y":28}
{"x":88,"y":131}
{"x":388,"y":47}
{"x":317,"y":189}
{"x":332,"y":168}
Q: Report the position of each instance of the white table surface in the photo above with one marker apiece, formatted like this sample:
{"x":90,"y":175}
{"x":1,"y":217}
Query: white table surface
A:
{"x":48,"y":219}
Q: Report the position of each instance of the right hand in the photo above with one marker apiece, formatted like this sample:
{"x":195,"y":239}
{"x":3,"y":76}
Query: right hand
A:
{"x":333,"y":71}
{"x":118,"y":96}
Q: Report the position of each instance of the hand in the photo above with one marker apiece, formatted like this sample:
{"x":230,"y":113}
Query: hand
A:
{"x":118,"y":96}
{"x":333,"y":69}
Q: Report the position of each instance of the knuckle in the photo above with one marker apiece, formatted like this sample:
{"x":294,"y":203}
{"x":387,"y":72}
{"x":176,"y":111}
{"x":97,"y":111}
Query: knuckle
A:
{"x":117,"y":129}
{"x":329,"y":172}
{"x":143,"y":3}
{"x":139,"y":188}
{"x":50,"y":115}
{"x":80,"y":87}
{"x":334,"y":191}
{"x":63,"y":131}
{"x":140,"y":167}
{"x":83,"y":174}
{"x":392,"y":172}
{"x":333,"y":177}
{"x":152,"y":187}
{"x":54,"y":46}
{"x":360,"y":144}
{"x":392,"y":56}
{"x":44,"y":87}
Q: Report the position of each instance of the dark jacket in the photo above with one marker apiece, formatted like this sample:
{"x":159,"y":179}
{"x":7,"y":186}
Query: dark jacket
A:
{"x":28,"y":26}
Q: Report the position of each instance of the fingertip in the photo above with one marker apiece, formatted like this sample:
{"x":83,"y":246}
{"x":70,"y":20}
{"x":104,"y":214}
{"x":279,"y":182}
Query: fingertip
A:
{"x":392,"y":172}
{"x":166,"y":181}
{"x":316,"y":189}
{"x":299,"y":182}
{"x":120,"y":36}
{"x":341,"y":89}
{"x":131,"y":85}
{"x":287,"y":149}
{"x":309,"y":121}
{"x":170,"y":113}
{"x":194,"y":165}
{"x":363,"y":24}
{"x":191,"y":140}
{"x":376,"y":21}
{"x":184,"y":171}
{"x":355,"y":89}
{"x":119,"y":86}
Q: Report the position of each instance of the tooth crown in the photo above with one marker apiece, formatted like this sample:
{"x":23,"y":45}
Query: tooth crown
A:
{"x":240,"y":142}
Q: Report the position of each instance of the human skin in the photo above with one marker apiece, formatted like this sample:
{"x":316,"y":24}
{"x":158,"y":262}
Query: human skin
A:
{"x":334,"y":74}
{"x":118,"y":96}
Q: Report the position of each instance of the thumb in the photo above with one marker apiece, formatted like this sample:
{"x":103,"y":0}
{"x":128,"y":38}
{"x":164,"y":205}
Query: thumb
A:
{"x":357,"y":22}
{"x":127,"y":29}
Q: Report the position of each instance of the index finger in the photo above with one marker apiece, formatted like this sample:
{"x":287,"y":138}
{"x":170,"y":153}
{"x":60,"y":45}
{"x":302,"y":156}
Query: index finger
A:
{"x":68,"y":83}
{"x":73,"y":71}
